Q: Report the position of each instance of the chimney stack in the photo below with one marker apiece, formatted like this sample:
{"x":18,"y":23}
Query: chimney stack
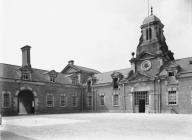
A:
{"x":71,"y":62}
{"x":26,"y":56}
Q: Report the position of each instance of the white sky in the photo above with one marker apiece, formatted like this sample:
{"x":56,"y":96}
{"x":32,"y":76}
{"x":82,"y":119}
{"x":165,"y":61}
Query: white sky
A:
{"x":99,"y":34}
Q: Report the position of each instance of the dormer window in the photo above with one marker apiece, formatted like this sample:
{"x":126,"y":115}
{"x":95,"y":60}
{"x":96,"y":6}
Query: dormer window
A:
{"x":190,"y":62}
{"x":52,"y":79}
{"x":116,"y":76}
{"x":74,"y":80}
{"x":171,"y":73}
{"x":89,"y":86}
{"x":25,"y":73}
{"x":52,"y":76}
{"x":25,"y":76}
{"x":115,"y":83}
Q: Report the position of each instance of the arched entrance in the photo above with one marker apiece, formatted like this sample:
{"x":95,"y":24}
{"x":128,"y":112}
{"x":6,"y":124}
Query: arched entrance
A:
{"x":26,"y":102}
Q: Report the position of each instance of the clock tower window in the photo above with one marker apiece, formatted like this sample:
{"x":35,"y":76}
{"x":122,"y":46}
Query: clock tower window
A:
{"x":148,"y":34}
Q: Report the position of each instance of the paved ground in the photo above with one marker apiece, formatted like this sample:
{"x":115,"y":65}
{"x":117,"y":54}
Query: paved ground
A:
{"x":101,"y":126}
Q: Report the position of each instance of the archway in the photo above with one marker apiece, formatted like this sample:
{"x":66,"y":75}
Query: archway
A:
{"x":26,"y":102}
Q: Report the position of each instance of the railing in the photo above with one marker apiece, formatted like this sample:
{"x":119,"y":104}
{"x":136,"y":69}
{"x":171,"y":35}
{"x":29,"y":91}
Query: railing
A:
{"x":174,"y":111}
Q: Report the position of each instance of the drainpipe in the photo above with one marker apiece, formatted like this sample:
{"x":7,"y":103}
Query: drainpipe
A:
{"x":95,"y":100}
{"x":124,"y":96}
{"x":154,"y":96}
{"x":93,"y":94}
{"x":159,"y":85}
{"x":82,"y":96}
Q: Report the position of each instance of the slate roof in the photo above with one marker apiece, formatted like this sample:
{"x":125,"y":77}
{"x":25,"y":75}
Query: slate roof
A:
{"x":80,"y":68}
{"x":185,"y":65}
{"x":150,"y":19}
{"x":87,"y":69}
{"x":11,"y":72}
{"x":105,"y":77}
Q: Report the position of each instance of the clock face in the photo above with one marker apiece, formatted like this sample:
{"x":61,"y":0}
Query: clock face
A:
{"x":146,"y":65}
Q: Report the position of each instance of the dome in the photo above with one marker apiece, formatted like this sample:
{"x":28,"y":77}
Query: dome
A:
{"x":150,"y":19}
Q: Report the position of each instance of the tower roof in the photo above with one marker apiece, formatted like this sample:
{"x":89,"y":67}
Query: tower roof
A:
{"x":150,"y":19}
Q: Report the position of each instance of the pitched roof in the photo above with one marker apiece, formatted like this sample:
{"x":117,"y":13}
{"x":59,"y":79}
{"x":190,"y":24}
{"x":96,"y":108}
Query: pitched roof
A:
{"x":105,"y":77}
{"x":11,"y":72}
{"x":150,"y":19}
{"x":80,"y":68}
{"x":185,"y":64}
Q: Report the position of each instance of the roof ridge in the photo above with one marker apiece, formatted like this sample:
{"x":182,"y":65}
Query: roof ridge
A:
{"x":87,"y":68}
{"x":183,"y":58}
{"x":115,"y":70}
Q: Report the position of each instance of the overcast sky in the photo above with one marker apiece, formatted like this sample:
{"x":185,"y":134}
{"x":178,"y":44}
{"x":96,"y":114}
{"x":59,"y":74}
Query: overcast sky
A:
{"x":99,"y":34}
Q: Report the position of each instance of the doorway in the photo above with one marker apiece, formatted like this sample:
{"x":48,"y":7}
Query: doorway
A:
{"x":26,"y":102}
{"x":142,"y":106}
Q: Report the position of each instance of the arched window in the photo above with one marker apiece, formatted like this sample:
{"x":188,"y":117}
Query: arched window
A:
{"x":74,"y":101}
{"x":50,"y":100}
{"x":89,"y":86}
{"x":63,"y":100}
{"x":147,"y":34}
{"x":150,"y":33}
{"x":6,"y":99}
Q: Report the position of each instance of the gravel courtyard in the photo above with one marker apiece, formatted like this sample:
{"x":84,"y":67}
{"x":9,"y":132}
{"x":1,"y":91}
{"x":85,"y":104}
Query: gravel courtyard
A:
{"x":101,"y":126}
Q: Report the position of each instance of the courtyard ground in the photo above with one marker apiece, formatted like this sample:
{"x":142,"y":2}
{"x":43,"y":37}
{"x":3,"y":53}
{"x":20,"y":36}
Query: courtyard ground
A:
{"x":101,"y":126}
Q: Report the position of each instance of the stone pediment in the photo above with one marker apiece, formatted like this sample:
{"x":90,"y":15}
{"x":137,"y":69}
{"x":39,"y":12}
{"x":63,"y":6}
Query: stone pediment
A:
{"x":144,"y":55}
{"x":117,"y":75}
{"x":170,"y":66}
{"x":140,"y":77}
{"x":173,"y":65}
{"x":70,"y":69}
{"x":52,"y":73}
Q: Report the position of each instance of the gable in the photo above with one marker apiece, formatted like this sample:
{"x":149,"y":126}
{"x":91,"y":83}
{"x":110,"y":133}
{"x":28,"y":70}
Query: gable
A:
{"x":140,"y":77}
{"x":70,"y":70}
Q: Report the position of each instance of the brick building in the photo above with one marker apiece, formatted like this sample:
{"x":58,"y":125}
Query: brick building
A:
{"x":155,"y":83}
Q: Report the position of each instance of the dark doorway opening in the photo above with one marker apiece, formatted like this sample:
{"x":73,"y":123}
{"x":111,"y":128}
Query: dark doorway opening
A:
{"x":142,"y":106}
{"x":26,"y":102}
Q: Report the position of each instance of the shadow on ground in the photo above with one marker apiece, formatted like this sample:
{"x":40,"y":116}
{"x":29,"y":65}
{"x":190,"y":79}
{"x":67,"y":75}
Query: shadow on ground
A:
{"x":6,"y":135}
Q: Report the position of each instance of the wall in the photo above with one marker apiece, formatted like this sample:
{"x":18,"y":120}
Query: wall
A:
{"x":41,"y":89}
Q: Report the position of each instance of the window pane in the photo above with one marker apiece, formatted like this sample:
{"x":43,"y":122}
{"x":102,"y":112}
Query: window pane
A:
{"x":63,"y":100}
{"x":141,"y":95}
{"x":89,"y":101}
{"x":102,"y":102}
{"x":6,"y":100}
{"x":50,"y":100}
{"x":74,"y":101}
{"x":115,"y":99}
{"x":172,"y":97}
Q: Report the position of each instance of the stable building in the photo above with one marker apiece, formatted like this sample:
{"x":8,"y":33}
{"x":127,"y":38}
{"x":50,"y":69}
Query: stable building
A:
{"x":156,"y":82}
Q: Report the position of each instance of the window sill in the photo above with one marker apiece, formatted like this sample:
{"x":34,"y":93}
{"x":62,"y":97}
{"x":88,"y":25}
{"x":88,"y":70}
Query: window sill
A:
{"x":50,"y":106}
{"x":173,"y":105}
{"x":63,"y":106}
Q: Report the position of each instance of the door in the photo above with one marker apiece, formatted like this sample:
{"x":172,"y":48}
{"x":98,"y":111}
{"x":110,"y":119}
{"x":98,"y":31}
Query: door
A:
{"x":142,"y":106}
{"x":26,"y":102}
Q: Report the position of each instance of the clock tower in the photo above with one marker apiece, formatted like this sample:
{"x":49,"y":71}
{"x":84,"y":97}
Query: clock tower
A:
{"x":152,"y":51}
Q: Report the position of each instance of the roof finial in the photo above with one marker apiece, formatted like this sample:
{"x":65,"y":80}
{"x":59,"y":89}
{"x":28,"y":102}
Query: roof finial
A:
{"x":151,"y":10}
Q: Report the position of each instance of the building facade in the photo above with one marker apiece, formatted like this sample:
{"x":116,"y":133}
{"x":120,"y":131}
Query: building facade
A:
{"x":155,"y":83}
